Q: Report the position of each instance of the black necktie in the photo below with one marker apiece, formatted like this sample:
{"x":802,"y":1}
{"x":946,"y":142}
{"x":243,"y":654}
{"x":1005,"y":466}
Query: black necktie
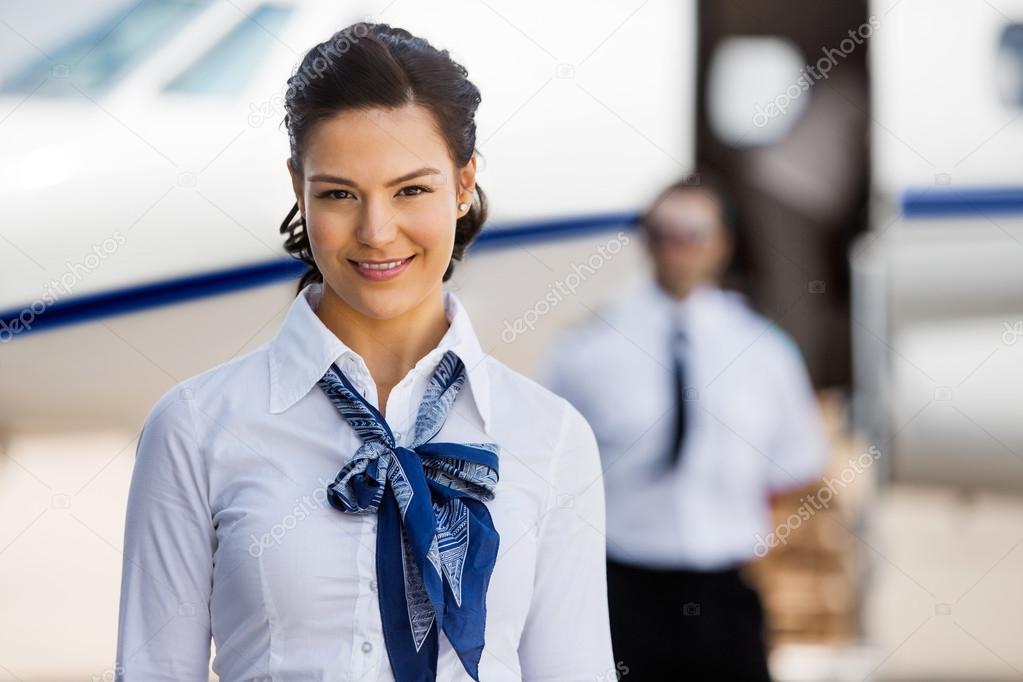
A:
{"x":678,"y":340}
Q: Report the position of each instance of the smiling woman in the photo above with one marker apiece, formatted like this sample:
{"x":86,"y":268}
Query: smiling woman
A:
{"x":421,"y":105}
{"x":367,"y":436}
{"x":378,"y":187}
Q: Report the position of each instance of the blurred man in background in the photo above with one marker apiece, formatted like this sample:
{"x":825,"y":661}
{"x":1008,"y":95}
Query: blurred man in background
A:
{"x":702,"y":409}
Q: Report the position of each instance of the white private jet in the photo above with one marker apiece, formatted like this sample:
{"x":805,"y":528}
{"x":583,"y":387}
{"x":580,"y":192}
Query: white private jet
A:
{"x":143,"y":164}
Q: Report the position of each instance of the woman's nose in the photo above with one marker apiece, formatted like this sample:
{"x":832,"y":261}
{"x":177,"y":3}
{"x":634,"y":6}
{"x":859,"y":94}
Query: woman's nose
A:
{"x":377,"y":224}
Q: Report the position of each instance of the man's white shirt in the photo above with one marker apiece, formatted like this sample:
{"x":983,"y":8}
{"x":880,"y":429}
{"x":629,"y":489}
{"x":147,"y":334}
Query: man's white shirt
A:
{"x":753,"y":425}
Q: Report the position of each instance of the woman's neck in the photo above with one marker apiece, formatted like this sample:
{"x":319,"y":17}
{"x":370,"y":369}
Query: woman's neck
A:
{"x":390,"y":347}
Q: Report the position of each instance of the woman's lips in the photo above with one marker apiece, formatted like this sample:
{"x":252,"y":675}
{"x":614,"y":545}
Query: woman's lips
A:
{"x":377,"y":271}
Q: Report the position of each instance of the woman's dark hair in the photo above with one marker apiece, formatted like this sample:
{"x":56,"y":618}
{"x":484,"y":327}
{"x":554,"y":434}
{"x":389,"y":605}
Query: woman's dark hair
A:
{"x":370,"y":65}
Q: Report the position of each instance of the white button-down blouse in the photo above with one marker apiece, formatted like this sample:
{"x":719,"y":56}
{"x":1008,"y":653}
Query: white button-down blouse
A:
{"x":753,"y":426}
{"x":229,"y":532}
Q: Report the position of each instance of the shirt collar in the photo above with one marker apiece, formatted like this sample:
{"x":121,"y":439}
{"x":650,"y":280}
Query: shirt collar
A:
{"x":697,"y":304}
{"x":304,"y":348}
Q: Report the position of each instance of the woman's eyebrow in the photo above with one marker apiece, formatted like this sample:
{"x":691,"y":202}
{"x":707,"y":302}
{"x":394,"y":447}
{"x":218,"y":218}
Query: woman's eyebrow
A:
{"x":338,"y":180}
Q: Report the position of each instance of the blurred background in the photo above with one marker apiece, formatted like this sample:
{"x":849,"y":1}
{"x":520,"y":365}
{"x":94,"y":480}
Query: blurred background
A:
{"x":872,"y":152}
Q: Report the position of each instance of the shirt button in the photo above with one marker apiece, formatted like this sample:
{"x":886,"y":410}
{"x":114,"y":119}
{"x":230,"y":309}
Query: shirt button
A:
{"x":373,"y":585}
{"x":367,"y":647}
{"x":397,"y":436}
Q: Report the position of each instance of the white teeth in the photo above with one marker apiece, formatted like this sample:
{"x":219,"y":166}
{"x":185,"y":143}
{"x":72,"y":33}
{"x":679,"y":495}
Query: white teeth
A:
{"x":382,"y":266}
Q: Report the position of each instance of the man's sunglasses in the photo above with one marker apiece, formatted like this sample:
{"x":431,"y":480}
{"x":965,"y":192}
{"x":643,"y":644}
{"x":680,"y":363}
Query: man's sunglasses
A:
{"x":678,"y":234}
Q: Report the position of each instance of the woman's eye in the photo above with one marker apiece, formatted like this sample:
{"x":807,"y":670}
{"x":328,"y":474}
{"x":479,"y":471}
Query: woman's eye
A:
{"x":419,"y":189}
{"x":332,"y":194}
{"x":410,"y":191}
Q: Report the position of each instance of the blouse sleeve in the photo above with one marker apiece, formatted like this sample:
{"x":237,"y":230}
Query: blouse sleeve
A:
{"x":169,"y":539}
{"x":567,"y":636}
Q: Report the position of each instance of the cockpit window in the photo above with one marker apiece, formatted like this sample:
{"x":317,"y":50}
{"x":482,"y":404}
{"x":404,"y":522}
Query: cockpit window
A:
{"x":226,"y":68}
{"x":94,"y":60}
{"x":1009,"y":67}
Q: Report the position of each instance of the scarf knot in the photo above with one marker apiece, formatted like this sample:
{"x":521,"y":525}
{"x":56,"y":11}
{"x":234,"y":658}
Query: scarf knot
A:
{"x":436,"y":542}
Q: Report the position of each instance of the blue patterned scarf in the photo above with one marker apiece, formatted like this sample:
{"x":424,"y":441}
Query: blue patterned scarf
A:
{"x":436,"y":542}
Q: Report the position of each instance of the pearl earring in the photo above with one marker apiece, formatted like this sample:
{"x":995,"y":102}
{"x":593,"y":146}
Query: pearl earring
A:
{"x":463,"y":206}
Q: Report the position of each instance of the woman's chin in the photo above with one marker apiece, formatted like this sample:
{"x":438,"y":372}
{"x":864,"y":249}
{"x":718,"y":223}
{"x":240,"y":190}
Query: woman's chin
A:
{"x":380,"y":303}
